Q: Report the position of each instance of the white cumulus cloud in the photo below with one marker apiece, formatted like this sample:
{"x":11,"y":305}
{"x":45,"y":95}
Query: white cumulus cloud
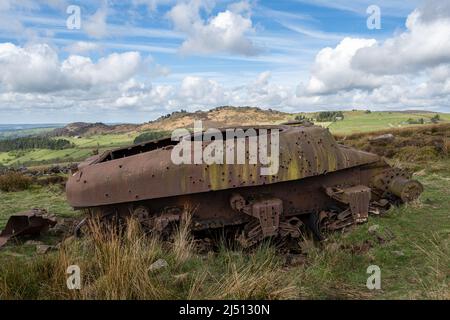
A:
{"x":226,"y":32}
{"x":37,"y":68}
{"x":424,"y":44}
{"x":332,"y":70}
{"x":408,"y":68}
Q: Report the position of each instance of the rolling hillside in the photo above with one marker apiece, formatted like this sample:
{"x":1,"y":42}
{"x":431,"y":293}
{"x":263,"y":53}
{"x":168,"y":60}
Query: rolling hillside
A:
{"x":89,"y":138}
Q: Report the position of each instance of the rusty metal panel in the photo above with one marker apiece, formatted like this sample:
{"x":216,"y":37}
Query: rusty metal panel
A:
{"x":27,"y":223}
{"x":268,"y":212}
{"x":357,"y":197}
{"x":126,"y":175}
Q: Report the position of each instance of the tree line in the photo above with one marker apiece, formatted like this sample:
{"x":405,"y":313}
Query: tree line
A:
{"x":25,"y":143}
{"x":151,"y":135}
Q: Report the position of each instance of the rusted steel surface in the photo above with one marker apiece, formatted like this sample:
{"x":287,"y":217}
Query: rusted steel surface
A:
{"x":320,"y":185}
{"x":405,"y":189}
{"x":30,"y":223}
{"x":357,"y":197}
{"x":304,"y":152}
{"x":267,"y":211}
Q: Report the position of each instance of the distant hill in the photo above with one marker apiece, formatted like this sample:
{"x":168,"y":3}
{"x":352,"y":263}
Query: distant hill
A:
{"x":11,"y":131}
{"x":88,"y":129}
{"x":218,"y":117}
{"x":227,"y":116}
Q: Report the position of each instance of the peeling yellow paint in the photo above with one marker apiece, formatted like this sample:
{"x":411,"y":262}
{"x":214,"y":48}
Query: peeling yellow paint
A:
{"x":214,"y":173}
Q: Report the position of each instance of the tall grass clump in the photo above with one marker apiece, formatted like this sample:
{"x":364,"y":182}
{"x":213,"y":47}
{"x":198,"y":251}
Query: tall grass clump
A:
{"x":436,"y":284}
{"x":183,"y":243}
{"x":120,"y":263}
{"x":259,"y":275}
{"x":115,"y":264}
{"x":14,"y":181}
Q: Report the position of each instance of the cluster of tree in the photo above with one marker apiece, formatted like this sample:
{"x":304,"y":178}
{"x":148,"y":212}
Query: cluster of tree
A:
{"x":415,"y":121}
{"x":329,"y":116}
{"x":175,"y":113}
{"x":151,"y":135}
{"x":25,"y":143}
{"x":301,"y":117}
{"x":436,"y":118}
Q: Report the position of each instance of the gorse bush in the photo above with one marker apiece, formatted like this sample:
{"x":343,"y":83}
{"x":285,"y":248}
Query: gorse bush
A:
{"x":436,"y":118}
{"x":14,"y":181}
{"x":302,"y":118}
{"x":326,"y":116}
{"x":415,"y":121}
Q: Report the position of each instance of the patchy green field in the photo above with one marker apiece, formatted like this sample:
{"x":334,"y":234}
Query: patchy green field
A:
{"x":106,"y":140}
{"x":52,"y":198}
{"x":415,"y":264}
{"x":360,"y":121}
{"x":84,"y":148}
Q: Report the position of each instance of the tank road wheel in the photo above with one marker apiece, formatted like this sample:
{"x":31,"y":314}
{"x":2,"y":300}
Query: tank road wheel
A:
{"x":267,"y":220}
{"x":325,"y":222}
{"x":142,"y":215}
{"x":288,"y":230}
{"x":251,"y":235}
{"x":161,"y":224}
{"x":313,"y":223}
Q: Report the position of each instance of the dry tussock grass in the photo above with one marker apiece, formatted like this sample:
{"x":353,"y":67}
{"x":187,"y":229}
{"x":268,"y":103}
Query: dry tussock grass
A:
{"x":436,"y":286}
{"x":14,"y":181}
{"x":114,"y":264}
{"x":183,"y":244}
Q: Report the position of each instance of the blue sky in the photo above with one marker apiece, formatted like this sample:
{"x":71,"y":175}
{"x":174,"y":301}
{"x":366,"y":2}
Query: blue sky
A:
{"x":136,"y":60}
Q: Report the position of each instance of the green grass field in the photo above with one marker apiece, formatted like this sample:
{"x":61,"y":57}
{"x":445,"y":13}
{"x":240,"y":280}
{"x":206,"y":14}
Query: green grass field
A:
{"x":360,"y":121}
{"x":84,"y":147}
{"x":51,"y":198}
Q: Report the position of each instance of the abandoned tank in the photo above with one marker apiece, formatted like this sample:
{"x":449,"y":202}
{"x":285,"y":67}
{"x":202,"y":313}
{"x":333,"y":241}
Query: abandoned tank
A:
{"x":319,"y":185}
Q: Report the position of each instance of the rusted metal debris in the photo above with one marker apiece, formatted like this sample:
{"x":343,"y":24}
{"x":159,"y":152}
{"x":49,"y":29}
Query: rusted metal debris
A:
{"x":29,"y":223}
{"x":321,"y":186}
{"x":356,"y":197}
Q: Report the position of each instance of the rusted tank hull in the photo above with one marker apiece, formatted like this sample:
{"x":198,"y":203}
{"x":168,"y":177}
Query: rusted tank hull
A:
{"x":212,"y":209}
{"x":149,"y":173}
{"x":317,"y":177}
{"x":300,"y":198}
